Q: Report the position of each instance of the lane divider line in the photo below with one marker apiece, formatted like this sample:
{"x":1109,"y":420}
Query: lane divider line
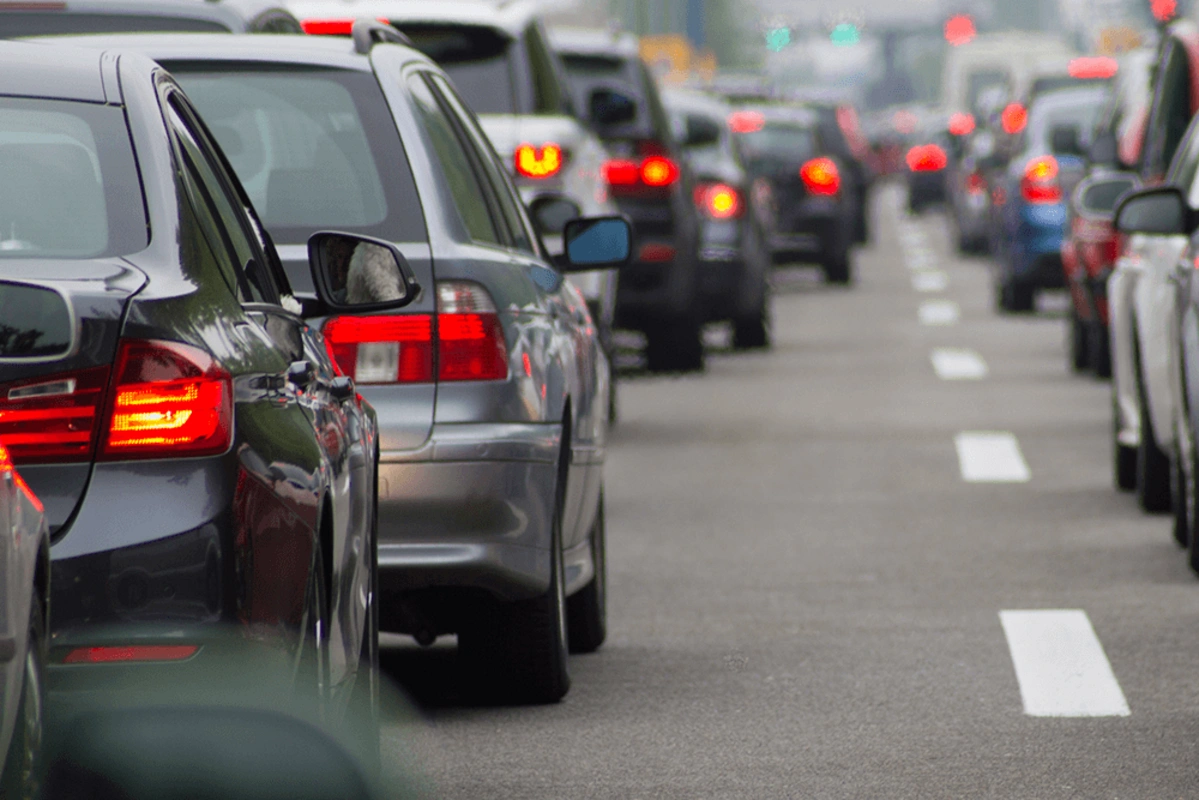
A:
{"x":958,"y":364}
{"x":991,"y":457}
{"x":938,"y":312}
{"x":933,"y":280}
{"x":1061,"y":666}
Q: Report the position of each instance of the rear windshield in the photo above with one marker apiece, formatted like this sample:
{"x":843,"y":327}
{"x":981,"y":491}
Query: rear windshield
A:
{"x":585,"y":73}
{"x":69,"y":185}
{"x":314,"y":148}
{"x":41,"y":23}
{"x":1077,"y":109}
{"x":778,"y":143}
{"x":479,"y":60}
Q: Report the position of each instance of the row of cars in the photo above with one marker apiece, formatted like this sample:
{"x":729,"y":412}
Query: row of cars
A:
{"x":288,"y":348}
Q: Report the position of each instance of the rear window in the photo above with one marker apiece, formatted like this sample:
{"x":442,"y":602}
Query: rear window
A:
{"x":1077,"y":109}
{"x":41,"y":23}
{"x":313,"y":148}
{"x":69,"y":185}
{"x":778,"y":142}
{"x":478,"y":59}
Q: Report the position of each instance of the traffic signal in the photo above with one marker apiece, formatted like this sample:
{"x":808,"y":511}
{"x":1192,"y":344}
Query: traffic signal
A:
{"x":1163,"y":10}
{"x":959,"y":30}
{"x":845,"y":34}
{"x":777,"y":39}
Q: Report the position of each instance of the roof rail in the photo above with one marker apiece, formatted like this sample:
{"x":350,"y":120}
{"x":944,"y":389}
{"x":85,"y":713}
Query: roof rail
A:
{"x":369,"y":32}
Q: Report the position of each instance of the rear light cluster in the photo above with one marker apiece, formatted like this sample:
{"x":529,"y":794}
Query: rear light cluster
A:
{"x":127,"y":653}
{"x":746,"y":121}
{"x":976,"y":184}
{"x":1013,"y":118}
{"x":821,"y":177}
{"x":342,"y":26}
{"x":466,"y":335}
{"x":1039,"y":184}
{"x":653,"y":169}
{"x":961,"y":124}
{"x":718,"y":200}
{"x":164,"y":400}
{"x":539,"y":162}
{"x":927,"y":158}
{"x":7,"y":468}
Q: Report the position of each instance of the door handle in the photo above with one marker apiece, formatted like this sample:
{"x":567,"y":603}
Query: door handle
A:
{"x":301,"y":374}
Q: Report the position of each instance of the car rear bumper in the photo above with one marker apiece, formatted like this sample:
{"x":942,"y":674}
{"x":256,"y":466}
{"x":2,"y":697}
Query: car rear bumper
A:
{"x":472,"y":508}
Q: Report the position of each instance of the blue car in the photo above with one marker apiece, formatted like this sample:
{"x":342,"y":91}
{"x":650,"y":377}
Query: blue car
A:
{"x":1029,"y":197}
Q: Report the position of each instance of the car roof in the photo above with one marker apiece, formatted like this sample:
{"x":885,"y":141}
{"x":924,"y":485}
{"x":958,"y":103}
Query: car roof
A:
{"x":1071,"y":96}
{"x":594,"y":41}
{"x":58,"y":73}
{"x":691,"y":100}
{"x":327,"y":51}
{"x":510,"y":16}
{"x":224,"y":11}
{"x":799,"y":115}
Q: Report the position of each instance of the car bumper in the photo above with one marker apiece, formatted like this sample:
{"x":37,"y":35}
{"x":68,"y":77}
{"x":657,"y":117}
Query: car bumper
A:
{"x":471,"y":509}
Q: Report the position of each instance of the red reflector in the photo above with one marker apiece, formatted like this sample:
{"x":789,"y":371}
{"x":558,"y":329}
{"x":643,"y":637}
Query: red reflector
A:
{"x":1014,"y":118}
{"x":821,"y":177}
{"x":53,"y":418}
{"x":656,"y":253}
{"x":146,"y":652}
{"x":927,"y":158}
{"x":382,"y":349}
{"x":659,"y":171}
{"x":718,"y":200}
{"x":331,"y":27}
{"x":1093,"y":67}
{"x":169,"y":399}
{"x":961,"y":124}
{"x":1040,"y":184}
{"x":539,"y":162}
{"x":746,"y":121}
{"x":619,"y":172}
{"x":471,"y":345}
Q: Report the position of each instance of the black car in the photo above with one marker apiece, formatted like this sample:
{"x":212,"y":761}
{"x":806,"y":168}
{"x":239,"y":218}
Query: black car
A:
{"x":207,"y":476}
{"x":653,"y":185}
{"x":734,"y":261}
{"x":37,"y":18}
{"x":811,"y":214}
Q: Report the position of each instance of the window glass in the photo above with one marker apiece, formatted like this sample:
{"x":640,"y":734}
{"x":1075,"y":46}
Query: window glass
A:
{"x":71,"y":188}
{"x":1170,"y":113}
{"x":506,"y":194}
{"x":314,"y":149}
{"x":42,"y":23}
{"x":1184,"y":171}
{"x":455,"y":165}
{"x":778,"y":143}
{"x":478,"y":60}
{"x":548,"y":97}
{"x":1077,"y":108}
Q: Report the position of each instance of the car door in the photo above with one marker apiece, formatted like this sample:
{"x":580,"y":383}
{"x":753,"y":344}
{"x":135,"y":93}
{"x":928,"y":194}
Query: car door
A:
{"x":585,"y":369}
{"x":285,"y":474}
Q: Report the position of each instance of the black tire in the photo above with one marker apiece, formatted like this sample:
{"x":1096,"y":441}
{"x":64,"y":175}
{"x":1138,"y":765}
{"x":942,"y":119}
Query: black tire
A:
{"x":21,"y":779}
{"x":753,"y":331}
{"x":1179,"y":503}
{"x":837,"y":269}
{"x":515,"y":652}
{"x":1190,"y":491}
{"x":675,"y":347}
{"x":1017,"y":297}
{"x":861,"y":227}
{"x":587,"y":609}
{"x":1100,"y":347}
{"x":1124,"y":458}
{"x":1080,"y":349}
{"x":1153,"y":467}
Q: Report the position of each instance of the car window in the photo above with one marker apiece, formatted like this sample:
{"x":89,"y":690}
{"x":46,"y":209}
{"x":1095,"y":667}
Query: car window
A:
{"x":1170,"y":114}
{"x":549,"y":96}
{"x":1184,"y":170}
{"x":71,"y":188}
{"x":314,"y":149}
{"x":777,"y":144}
{"x":505,"y":193}
{"x":460,"y":177}
{"x":478,"y":59}
{"x":224,"y":226}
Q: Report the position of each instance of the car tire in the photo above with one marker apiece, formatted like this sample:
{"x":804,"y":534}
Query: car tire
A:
{"x":21,"y":779}
{"x":587,"y":609}
{"x":1100,"y":346}
{"x":675,"y":347}
{"x":753,"y":331}
{"x":1180,"y":499}
{"x":1080,"y":348}
{"x":1124,"y":458}
{"x":1153,"y":467}
{"x":1017,"y":298}
{"x":837,"y":269}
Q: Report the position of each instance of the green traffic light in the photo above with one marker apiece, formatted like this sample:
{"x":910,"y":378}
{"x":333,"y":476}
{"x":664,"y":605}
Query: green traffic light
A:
{"x":845,"y":34}
{"x":777,"y":39}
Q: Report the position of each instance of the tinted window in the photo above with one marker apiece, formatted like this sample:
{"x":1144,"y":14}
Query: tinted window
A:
{"x":39,"y":23}
{"x":313,"y":148}
{"x":1171,"y":113}
{"x":69,"y":186}
{"x":778,"y":143}
{"x":1077,"y":109}
{"x":34,"y":322}
{"x":478,"y":59}
{"x":548,"y":94}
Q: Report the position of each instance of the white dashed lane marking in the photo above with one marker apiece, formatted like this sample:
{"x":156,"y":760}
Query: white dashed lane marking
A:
{"x":933,"y":280}
{"x":991,"y":457}
{"x":939,"y":312}
{"x":958,"y":364}
{"x":1060,"y":665}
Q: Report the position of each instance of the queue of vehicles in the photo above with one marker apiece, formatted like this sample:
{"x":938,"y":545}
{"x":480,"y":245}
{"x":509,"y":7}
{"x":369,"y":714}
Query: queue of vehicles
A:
{"x":308,"y":336}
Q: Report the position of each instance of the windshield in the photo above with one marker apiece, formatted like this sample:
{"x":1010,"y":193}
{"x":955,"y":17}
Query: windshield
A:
{"x":313,"y":148}
{"x":69,"y":181}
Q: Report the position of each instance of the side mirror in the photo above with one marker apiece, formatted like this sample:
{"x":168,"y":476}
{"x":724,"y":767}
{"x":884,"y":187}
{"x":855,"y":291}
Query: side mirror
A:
{"x":356,"y":273}
{"x":596,"y":243}
{"x":1105,"y":149}
{"x":1064,"y":141}
{"x":608,"y":107}
{"x":551,"y":212}
{"x":1096,"y":196}
{"x":701,"y":132}
{"x":1160,"y":210}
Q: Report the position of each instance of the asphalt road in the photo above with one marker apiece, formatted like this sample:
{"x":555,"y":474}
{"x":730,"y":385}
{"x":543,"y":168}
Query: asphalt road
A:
{"x":806,"y":594}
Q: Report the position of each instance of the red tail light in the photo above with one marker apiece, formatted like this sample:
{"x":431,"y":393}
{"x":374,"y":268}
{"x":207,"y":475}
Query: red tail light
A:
{"x":1093,"y":67}
{"x":718,"y":200}
{"x":961,"y":124}
{"x":655,"y":172}
{"x":619,"y":172}
{"x":976,"y":184}
{"x":331,"y":27}
{"x":927,"y":158}
{"x":471,"y":344}
{"x":53,"y":419}
{"x":1013,"y":118}
{"x":659,"y":171}
{"x":383,"y":349}
{"x":146,"y":652}
{"x":539,"y":162}
{"x":746,"y":121}
{"x":1040,"y":184}
{"x":6,"y":468}
{"x":168,"y":399}
{"x":821,"y":177}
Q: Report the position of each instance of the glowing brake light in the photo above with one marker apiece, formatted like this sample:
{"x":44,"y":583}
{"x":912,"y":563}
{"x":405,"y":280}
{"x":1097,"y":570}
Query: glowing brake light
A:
{"x":539,"y":162}
{"x":821,"y":177}
{"x":471,"y":345}
{"x":53,"y":419}
{"x":961,"y":124}
{"x":655,"y":171}
{"x":718,"y":200}
{"x":619,"y":172}
{"x":382,"y":349}
{"x":1040,"y":184}
{"x":145,"y":652}
{"x":1093,"y":67}
{"x":1013,"y":118}
{"x":659,"y":171}
{"x":332,"y":27}
{"x":746,"y":121}
{"x":927,"y":158}
{"x":168,"y":399}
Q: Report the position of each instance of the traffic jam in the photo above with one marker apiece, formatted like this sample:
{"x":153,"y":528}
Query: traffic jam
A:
{"x":539,"y":398}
